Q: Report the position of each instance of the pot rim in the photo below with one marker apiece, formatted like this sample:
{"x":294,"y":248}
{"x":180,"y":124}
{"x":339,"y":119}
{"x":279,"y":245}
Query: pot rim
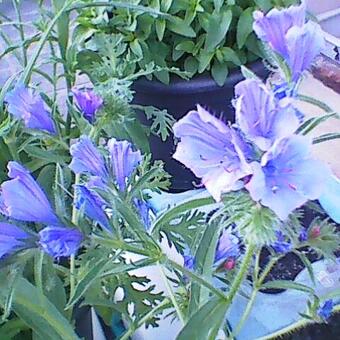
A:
{"x":200,"y":83}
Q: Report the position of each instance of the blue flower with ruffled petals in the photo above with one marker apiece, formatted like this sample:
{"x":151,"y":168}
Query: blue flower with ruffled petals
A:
{"x":24,"y":104}
{"x":93,"y":205}
{"x":12,"y":239}
{"x":23,"y":199}
{"x":287,"y":177}
{"x":123,"y":160}
{"x":87,"y":159}
{"x":227,"y":246}
{"x":60,"y":241}
{"x":88,"y":102}
{"x":281,"y":245}
{"x":260,"y":116}
{"x":212,"y":150}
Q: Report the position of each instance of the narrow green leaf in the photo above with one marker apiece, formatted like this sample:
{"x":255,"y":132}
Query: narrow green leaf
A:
{"x":39,"y":313}
{"x":286,"y":284}
{"x":244,"y":26}
{"x":136,"y":48}
{"x":307,"y":264}
{"x":326,"y":137}
{"x":219,"y":23}
{"x":219,"y":72}
{"x":62,"y":27}
{"x":179,"y":26}
{"x":87,"y":280}
{"x":206,"y":322}
{"x":160,"y":29}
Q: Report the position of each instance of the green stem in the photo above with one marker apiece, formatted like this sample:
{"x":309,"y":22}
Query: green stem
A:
{"x":171,"y":295}
{"x":197,"y":278}
{"x":21,"y":30}
{"x":144,"y":319}
{"x":245,"y":314}
{"x":38,"y":264}
{"x":242,"y":272}
{"x":72,"y":275}
{"x":25,"y":77}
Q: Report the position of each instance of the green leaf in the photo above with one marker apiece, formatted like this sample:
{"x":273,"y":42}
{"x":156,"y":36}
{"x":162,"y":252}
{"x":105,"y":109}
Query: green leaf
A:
{"x":62,"y":27}
{"x":160,"y":29}
{"x":206,"y":322}
{"x":228,"y":54}
{"x":265,"y":5}
{"x":219,"y":72}
{"x":136,"y":48}
{"x":165,"y":5}
{"x":326,"y":137}
{"x":191,"y":65}
{"x":39,"y":313}
{"x":179,"y":26}
{"x":247,"y":73}
{"x":48,"y":155}
{"x":244,"y":26}
{"x":286,"y":284}
{"x":83,"y":284}
{"x":204,"y":60}
{"x":186,"y":46}
{"x":307,"y":264}
{"x":218,"y":27}
{"x":204,"y":260}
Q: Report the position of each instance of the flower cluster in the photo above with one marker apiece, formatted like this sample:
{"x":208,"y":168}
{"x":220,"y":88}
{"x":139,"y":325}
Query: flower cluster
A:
{"x":23,"y":103}
{"x":288,"y":35}
{"x":23,"y":199}
{"x":103,"y":172}
{"x":261,"y":152}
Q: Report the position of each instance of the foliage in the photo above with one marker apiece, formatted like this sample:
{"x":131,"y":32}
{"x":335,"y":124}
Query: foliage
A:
{"x":193,"y":36}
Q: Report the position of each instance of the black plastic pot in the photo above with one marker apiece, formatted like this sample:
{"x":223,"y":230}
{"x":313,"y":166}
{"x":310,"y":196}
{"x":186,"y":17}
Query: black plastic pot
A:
{"x":180,"y":97}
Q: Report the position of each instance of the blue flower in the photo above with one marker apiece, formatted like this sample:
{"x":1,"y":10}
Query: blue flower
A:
{"x":273,"y":27}
{"x":189,"y":262}
{"x":212,"y":150}
{"x":304,"y":44}
{"x":260,"y":116}
{"x":227,"y":246}
{"x":12,"y":239}
{"x":330,"y":198}
{"x":303,"y":236}
{"x":87,"y":159}
{"x":287,"y":176}
{"x":24,"y":104}
{"x":92,"y":204}
{"x":60,"y":241}
{"x":281,"y":245}
{"x":287,"y":34}
{"x":123,"y":160}
{"x":88,"y":102}
{"x":23,"y":199}
{"x":144,"y":212}
{"x":325,"y":311}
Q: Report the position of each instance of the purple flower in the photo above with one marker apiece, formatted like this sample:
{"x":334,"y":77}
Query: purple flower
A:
{"x":12,"y":239}
{"x":303,"y":237}
{"x":189,"y":262}
{"x":325,"y":311}
{"x":88,"y":102}
{"x":304,"y":44}
{"x":281,"y":245}
{"x":60,"y":241}
{"x":273,"y":27}
{"x":287,"y":176}
{"x":144,"y":212}
{"x":123,"y":160}
{"x":23,"y":199}
{"x":227,"y":246}
{"x":260,"y":116}
{"x":212,"y":150}
{"x":287,"y":34}
{"x":92,"y":204}
{"x":24,"y":104}
{"x":87,"y":159}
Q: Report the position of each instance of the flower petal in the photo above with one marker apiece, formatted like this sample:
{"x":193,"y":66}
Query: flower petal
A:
{"x":23,"y":199}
